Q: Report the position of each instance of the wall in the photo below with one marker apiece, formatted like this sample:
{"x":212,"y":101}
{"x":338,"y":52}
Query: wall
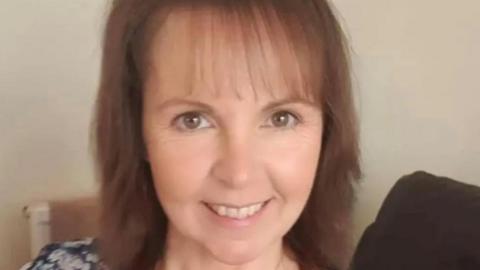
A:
{"x":49,"y":64}
{"x":417,"y":65}
{"x":416,"y":68}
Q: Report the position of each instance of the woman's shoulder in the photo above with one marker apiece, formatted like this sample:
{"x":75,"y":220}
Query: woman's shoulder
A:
{"x":71,"y":255}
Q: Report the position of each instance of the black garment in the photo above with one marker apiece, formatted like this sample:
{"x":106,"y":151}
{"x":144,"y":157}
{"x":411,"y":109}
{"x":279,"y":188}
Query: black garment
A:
{"x":425,"y":223}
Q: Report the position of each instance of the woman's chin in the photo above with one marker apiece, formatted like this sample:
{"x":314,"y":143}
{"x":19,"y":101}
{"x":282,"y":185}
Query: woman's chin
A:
{"x":235,"y":254}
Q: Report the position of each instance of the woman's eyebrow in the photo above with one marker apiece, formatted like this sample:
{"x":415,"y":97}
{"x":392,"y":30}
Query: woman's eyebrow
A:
{"x":207,"y":107}
{"x":181,"y":101}
{"x":290,"y":100}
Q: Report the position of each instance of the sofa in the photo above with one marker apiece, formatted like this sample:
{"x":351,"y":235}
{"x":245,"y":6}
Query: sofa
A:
{"x":426,"y":222}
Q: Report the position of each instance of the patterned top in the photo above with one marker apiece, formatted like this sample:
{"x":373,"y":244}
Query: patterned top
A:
{"x":73,"y":255}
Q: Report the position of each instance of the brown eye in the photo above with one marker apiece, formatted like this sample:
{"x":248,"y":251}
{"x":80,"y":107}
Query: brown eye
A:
{"x":284,"y":119}
{"x":191,"y":121}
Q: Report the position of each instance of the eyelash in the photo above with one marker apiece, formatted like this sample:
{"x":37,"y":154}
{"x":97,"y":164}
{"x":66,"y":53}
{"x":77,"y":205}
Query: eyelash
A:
{"x":179,"y":117}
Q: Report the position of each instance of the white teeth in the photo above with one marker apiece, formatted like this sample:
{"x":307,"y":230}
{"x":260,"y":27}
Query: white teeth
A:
{"x":237,"y":213}
{"x":251,"y":210}
{"x":242,"y":213}
{"x":231,"y":212}
{"x":221,"y":210}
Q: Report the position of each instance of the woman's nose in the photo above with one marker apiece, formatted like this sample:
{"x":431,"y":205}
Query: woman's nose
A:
{"x":234,"y":167}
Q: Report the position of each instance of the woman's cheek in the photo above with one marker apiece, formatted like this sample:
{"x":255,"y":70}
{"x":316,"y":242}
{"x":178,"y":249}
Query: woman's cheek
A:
{"x":180,"y":163}
{"x":298,"y":145}
{"x":293,"y":160}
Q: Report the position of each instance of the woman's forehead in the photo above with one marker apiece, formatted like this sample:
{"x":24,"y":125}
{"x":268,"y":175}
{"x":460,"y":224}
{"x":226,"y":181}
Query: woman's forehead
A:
{"x":211,"y":52}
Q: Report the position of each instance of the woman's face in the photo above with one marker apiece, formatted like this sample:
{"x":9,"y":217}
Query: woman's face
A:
{"x":233,"y":163}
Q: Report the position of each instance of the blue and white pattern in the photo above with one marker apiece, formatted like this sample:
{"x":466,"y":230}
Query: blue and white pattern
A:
{"x":73,"y":255}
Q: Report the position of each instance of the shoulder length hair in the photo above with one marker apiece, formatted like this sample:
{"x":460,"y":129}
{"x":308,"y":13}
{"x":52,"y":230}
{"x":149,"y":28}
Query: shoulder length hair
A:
{"x":133,"y":224}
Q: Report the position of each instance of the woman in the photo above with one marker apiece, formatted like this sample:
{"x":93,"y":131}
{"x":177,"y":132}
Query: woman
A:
{"x":226,"y":138}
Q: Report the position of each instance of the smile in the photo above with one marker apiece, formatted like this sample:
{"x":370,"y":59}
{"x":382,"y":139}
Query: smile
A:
{"x":236,"y":212}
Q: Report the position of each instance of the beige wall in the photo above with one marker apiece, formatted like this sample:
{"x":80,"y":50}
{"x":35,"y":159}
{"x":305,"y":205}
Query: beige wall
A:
{"x":416,"y":68}
{"x":49,"y":58}
{"x":417,"y":65}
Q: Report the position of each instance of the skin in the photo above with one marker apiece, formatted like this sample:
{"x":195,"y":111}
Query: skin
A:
{"x":219,"y":145}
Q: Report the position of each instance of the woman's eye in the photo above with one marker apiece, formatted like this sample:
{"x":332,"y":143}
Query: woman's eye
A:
{"x":191,"y":121}
{"x":284,"y":119}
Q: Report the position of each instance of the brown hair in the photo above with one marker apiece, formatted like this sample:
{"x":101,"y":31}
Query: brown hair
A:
{"x":133,"y":228}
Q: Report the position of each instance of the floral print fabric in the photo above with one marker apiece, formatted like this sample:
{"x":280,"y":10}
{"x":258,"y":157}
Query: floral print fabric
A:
{"x":73,"y":255}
